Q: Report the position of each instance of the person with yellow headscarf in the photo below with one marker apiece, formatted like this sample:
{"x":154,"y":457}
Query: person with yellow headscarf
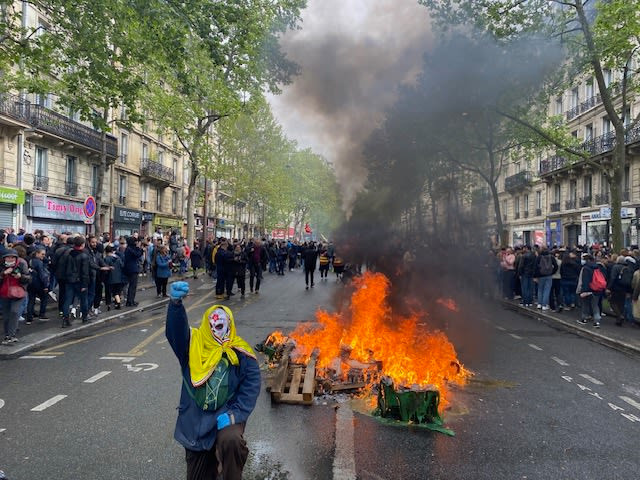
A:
{"x":220,"y":387}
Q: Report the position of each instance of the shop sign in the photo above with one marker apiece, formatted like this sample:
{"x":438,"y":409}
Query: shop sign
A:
{"x":167,"y":221}
{"x":11,"y":195}
{"x":124,"y":215}
{"x":605,"y":214}
{"x":44,"y":206}
{"x":147,"y":217}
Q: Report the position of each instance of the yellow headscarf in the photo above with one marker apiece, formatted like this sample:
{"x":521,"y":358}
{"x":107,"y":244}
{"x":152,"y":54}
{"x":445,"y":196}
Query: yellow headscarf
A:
{"x":205,"y":350}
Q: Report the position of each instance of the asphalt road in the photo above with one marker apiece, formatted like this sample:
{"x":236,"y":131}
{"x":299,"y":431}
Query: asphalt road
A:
{"x":542,"y":404}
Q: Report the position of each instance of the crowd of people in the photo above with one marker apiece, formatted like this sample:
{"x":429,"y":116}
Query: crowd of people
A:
{"x":581,"y":278}
{"x":82,"y":274}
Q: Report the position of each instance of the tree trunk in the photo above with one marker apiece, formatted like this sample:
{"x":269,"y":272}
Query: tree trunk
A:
{"x":101,"y":173}
{"x":615,"y":184}
{"x":191,"y":194}
{"x":496,"y":208}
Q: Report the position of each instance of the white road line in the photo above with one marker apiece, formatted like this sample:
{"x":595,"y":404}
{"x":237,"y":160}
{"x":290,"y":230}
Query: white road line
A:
{"x":97,"y":376}
{"x":560,"y":361}
{"x":517,"y":337}
{"x":48,"y":403}
{"x":502,"y":329}
{"x":2,"y":430}
{"x":535,"y":347}
{"x":38,"y":357}
{"x":123,"y":359}
{"x":595,"y":381}
{"x":631,"y":402}
{"x":344,"y":463}
{"x":1,"y":403}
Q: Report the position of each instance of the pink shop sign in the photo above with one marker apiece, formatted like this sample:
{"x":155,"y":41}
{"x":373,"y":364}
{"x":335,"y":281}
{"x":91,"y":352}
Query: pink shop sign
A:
{"x":48,"y":207}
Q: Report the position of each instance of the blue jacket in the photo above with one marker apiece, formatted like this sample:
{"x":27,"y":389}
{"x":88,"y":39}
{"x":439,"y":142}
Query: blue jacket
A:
{"x":162,"y":266}
{"x":132,"y":256}
{"x":115,"y":275}
{"x":196,"y":428}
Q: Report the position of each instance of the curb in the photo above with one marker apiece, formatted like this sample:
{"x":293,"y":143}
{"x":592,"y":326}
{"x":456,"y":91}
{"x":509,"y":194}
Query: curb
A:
{"x":22,"y":348}
{"x":575,"y":328}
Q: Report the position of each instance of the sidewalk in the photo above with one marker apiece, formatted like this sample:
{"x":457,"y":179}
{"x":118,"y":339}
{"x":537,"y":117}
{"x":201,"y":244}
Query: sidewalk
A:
{"x":625,"y":338}
{"x":40,"y":333}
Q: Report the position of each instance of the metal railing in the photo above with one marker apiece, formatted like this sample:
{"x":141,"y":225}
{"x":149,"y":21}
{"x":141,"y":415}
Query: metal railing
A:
{"x":553,"y":163}
{"x":14,"y":107}
{"x":553,"y":207}
{"x":602,"y":198}
{"x":40,"y":183}
{"x":144,"y":204}
{"x":71,"y":189}
{"x":519,"y":180}
{"x":570,"y":204}
{"x":156,"y":170}
{"x":539,"y":211}
{"x":626,"y":195}
{"x":590,"y":103}
{"x":585,"y":201}
{"x":122,"y":200}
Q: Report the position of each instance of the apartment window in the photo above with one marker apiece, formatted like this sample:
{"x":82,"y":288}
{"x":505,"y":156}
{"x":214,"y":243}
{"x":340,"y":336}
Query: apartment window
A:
{"x":94,"y":179}
{"x":122,"y":189}
{"x":73,"y":114}
{"x":504,"y":207}
{"x":160,"y":157}
{"x":558,"y":109}
{"x":539,"y":200}
{"x":70,"y":175}
{"x":604,"y":184}
{"x":627,"y":179}
{"x":575,"y":97}
{"x":556,"y":193}
{"x":573,"y":191}
{"x":43,"y":99}
{"x":175,"y":168}
{"x":144,"y":192}
{"x":159,"y":198}
{"x":124,"y":115}
{"x":588,"y":89}
{"x":145,"y":151}
{"x":588,"y":132}
{"x":43,"y":26}
{"x":626,"y":119}
{"x":516,"y":205}
{"x":174,"y":201}
{"x":526,"y":202}
{"x":124,"y":148}
{"x":574,"y":134}
{"x":586,"y":186}
{"x":517,"y":167}
{"x":608,"y":77}
{"x":41,"y":162}
{"x":606,"y":125}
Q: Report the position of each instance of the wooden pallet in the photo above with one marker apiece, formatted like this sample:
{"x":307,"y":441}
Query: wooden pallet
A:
{"x":294,"y":383}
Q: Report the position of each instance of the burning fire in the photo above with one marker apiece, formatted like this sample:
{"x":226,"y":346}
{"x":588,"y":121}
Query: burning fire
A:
{"x":448,"y":303}
{"x":370,"y":333}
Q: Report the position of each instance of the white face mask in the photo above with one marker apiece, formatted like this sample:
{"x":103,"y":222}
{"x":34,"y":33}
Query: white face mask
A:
{"x":219,"y":323}
{"x":583,"y":261}
{"x":10,"y":261}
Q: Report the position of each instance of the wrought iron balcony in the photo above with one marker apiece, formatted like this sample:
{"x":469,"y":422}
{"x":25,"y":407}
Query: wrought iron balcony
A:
{"x":122,"y":200}
{"x":539,"y":211}
{"x":602,"y":199}
{"x":585,"y":201}
{"x":601,"y":144}
{"x":40,"y":183}
{"x":144,"y":204}
{"x":523,"y":179}
{"x":516,"y":216}
{"x":589,"y":103}
{"x":14,"y":107}
{"x":155,"y":172}
{"x":570,"y":204}
{"x":71,"y":189}
{"x":526,"y":214}
{"x":626,"y":196}
{"x":553,"y":163}
{"x":53,"y":123}
{"x":553,"y":207}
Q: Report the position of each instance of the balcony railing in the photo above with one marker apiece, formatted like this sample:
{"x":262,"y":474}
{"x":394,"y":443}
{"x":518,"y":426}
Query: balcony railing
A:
{"x":526,"y":214}
{"x":144,"y":204}
{"x":602,"y":199}
{"x":40,"y":183}
{"x":554,"y":207}
{"x":570,"y":205}
{"x":516,"y":216}
{"x":539,"y":211}
{"x":46,"y":120}
{"x":585,"y":201}
{"x":14,"y":107}
{"x":626,"y":196}
{"x":553,"y":163}
{"x":156,"y":171}
{"x":519,"y":180}
{"x":589,"y":103}
{"x":71,"y":189}
{"x":601,"y":144}
{"x":122,"y":200}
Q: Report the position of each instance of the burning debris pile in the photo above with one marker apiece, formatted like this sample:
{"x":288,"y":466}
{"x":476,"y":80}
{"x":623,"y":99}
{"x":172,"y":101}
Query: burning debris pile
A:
{"x":369,"y":349}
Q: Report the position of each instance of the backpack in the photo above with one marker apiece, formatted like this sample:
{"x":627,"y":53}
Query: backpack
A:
{"x":625,"y":277}
{"x":72,"y":272}
{"x":598,"y":282}
{"x":546,"y":265}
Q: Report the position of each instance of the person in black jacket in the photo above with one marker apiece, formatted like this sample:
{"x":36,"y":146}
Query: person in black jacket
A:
{"x":310,"y":255}
{"x":525,"y":270}
{"x":76,"y":275}
{"x":132,"y":257}
{"x":58,"y":266}
{"x":39,"y":285}
{"x":569,"y":272}
{"x":240,"y":267}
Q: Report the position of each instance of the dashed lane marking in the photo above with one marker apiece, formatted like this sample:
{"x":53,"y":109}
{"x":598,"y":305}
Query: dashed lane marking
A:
{"x":595,"y":381}
{"x":560,"y":361}
{"x":517,"y":337}
{"x":502,"y":329}
{"x":48,"y":403}
{"x":1,"y":403}
{"x":97,"y":376}
{"x":123,"y":359}
{"x":631,"y":402}
{"x":535,"y":347}
{"x":45,"y":357}
{"x":344,"y":464}
{"x":2,"y":430}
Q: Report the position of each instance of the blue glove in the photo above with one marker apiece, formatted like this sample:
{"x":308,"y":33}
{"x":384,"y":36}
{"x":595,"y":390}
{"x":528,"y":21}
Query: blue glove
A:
{"x":223,"y":421}
{"x":178,"y":290}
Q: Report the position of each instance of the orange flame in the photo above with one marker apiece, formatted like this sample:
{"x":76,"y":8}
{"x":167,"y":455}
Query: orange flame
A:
{"x":448,"y":303}
{"x":408,"y":353}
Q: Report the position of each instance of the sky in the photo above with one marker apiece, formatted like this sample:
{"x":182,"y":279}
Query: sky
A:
{"x":353,"y":54}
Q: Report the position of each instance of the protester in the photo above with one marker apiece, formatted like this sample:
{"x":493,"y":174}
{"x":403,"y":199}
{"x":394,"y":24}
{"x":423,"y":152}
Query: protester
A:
{"x":196,"y":259}
{"x":14,"y":277}
{"x":310,"y":255}
{"x":113,"y":285}
{"x":132,"y":257}
{"x":38,"y":287}
{"x":163,"y":270}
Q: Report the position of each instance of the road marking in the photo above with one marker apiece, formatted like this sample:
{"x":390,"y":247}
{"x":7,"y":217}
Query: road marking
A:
{"x":97,"y":376}
{"x":631,"y":402}
{"x":535,"y":347}
{"x":344,"y":464}
{"x":48,"y":403}
{"x":123,"y":359}
{"x":141,"y":367}
{"x":2,"y":430}
{"x":560,"y":361}
{"x":45,"y":357}
{"x":595,"y":381}
{"x":517,"y":337}
{"x":502,"y":329}
{"x":1,"y":403}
